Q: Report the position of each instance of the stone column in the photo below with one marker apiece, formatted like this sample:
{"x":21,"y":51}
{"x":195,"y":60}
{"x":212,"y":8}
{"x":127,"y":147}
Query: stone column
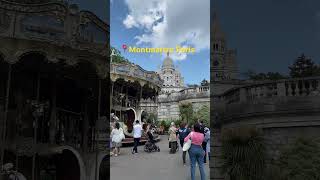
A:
{"x":296,"y":90}
{"x":96,"y":131}
{"x":85,"y":126}
{"x":303,"y":88}
{"x":35,"y":131}
{"x":127,"y":99}
{"x":52,"y":124}
{"x":243,"y":95}
{"x":3,"y":135}
{"x":111,"y":97}
{"x":281,"y":89}
{"x":290,"y":90}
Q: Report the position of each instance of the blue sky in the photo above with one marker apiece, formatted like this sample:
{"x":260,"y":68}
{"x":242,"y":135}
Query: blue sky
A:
{"x":126,"y":24}
{"x":270,"y":34}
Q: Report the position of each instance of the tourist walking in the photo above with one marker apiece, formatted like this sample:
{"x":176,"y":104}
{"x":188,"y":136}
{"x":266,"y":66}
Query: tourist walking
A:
{"x":117,"y":136}
{"x":207,"y":139}
{"x":173,"y":138}
{"x":183,"y":132}
{"x":137,"y":133}
{"x":196,"y":153}
{"x":204,"y":143}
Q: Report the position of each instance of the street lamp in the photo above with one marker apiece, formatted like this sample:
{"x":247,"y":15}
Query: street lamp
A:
{"x":112,"y":54}
{"x":38,"y":110}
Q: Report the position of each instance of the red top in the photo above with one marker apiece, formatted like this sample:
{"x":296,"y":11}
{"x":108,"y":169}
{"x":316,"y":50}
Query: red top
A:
{"x":196,"y":138}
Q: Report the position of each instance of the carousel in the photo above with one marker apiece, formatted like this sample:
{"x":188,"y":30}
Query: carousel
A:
{"x":131,"y":87}
{"x":53,"y":72}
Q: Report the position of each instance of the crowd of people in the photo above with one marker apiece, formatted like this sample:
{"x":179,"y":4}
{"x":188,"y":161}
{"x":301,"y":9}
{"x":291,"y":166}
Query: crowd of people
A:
{"x":198,"y":134}
{"x":199,"y":149}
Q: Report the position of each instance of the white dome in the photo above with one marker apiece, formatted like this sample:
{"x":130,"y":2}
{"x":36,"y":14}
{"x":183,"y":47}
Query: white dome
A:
{"x":168,"y":63}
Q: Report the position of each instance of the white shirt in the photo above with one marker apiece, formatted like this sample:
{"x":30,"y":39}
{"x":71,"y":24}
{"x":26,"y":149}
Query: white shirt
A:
{"x":137,"y":131}
{"x":116,"y":135}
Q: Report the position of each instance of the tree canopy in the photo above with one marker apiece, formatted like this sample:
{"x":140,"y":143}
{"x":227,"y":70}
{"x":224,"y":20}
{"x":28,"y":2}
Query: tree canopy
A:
{"x":191,"y":115}
{"x":204,"y":82}
{"x":117,"y":57}
{"x":264,"y":76}
{"x":301,"y":67}
{"x":304,"y":67}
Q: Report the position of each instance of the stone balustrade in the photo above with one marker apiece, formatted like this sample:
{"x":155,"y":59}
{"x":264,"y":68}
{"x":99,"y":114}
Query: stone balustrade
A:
{"x":271,"y":89}
{"x":284,"y":109}
{"x":269,"y":97}
{"x":188,"y":93}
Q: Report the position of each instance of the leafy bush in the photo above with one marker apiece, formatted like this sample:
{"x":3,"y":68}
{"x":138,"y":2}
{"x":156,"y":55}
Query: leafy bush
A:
{"x":243,"y":153}
{"x":203,"y":114}
{"x":186,"y":112}
{"x":299,"y":161}
{"x":165,"y":124}
{"x":191,"y":116}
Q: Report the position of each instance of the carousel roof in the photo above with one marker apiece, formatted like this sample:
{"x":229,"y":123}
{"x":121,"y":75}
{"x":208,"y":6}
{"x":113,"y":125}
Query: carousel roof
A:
{"x":133,"y":72}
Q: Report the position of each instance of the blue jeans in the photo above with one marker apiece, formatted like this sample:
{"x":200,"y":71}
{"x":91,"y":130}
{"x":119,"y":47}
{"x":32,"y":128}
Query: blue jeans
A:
{"x":196,"y":154}
{"x":136,"y":144}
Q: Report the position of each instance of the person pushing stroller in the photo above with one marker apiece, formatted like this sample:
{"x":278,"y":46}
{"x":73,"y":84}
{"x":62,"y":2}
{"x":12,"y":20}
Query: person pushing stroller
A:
{"x":150,"y":145}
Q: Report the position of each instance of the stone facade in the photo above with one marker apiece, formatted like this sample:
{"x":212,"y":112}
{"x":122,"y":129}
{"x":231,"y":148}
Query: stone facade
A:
{"x":172,"y":79}
{"x":173,"y":92}
{"x":285,"y":110}
{"x":223,"y":65}
{"x":168,"y":104}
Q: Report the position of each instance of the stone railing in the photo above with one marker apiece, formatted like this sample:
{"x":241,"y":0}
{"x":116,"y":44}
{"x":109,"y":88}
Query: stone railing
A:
{"x":197,"y":92}
{"x":189,"y":93}
{"x":272,"y":89}
{"x":288,"y":96}
{"x":285,"y":109}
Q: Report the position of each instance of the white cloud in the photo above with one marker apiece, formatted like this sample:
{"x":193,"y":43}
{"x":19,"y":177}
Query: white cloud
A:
{"x":129,"y":22}
{"x":168,"y":23}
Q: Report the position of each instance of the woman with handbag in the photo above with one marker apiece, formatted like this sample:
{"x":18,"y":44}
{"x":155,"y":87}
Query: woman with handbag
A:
{"x":117,"y":136}
{"x":193,"y":143}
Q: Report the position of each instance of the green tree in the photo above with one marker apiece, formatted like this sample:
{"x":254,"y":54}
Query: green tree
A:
{"x":304,"y":67}
{"x":152,"y":117}
{"x":275,"y":76}
{"x":204,"y":82}
{"x":203,"y":114}
{"x":186,"y":112}
{"x":243,"y":153}
{"x":117,"y":57}
{"x":264,"y":76}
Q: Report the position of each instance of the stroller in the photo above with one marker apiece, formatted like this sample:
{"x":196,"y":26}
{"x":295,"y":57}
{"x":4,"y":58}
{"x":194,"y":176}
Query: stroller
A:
{"x":150,"y":145}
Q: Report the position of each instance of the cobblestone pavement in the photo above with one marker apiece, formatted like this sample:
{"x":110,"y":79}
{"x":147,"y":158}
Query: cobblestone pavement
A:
{"x":151,"y":166}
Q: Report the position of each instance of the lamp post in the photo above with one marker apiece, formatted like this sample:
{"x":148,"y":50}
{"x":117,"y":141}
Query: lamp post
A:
{"x":112,"y":54}
{"x":38,"y":111}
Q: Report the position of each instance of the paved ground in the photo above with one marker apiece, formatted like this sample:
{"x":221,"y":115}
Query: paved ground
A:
{"x":151,"y":166}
